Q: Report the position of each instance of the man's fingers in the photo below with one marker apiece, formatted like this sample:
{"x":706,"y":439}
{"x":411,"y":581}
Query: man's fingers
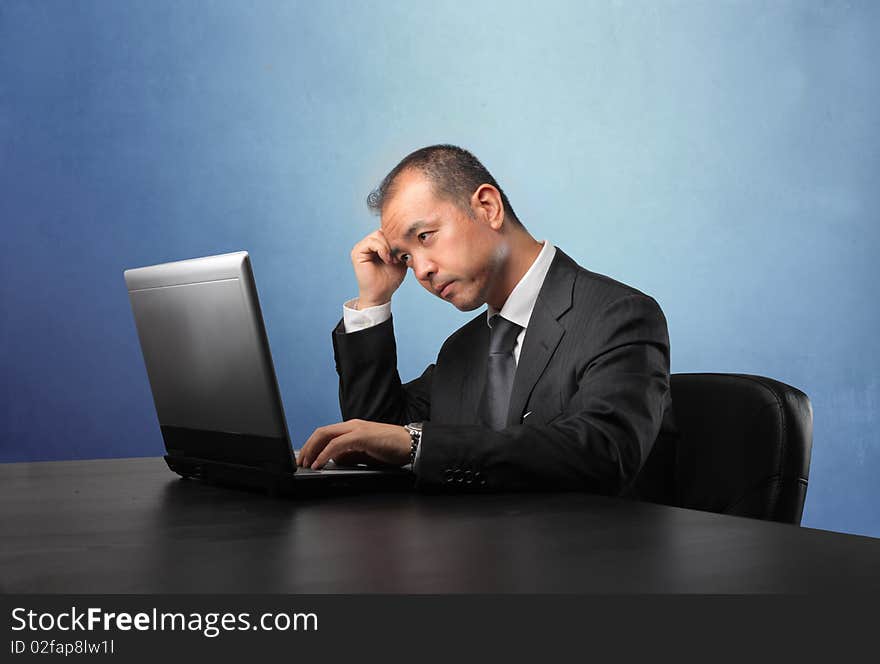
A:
{"x":374,"y":244}
{"x":313,"y":445}
{"x":369,"y":250}
{"x":319,"y":439}
{"x":346,"y":442}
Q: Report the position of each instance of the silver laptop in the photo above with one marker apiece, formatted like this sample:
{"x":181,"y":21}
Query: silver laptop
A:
{"x":210,"y":370}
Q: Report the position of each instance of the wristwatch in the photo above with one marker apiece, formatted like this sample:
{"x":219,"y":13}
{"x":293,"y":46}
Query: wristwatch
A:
{"x":415,"y":435}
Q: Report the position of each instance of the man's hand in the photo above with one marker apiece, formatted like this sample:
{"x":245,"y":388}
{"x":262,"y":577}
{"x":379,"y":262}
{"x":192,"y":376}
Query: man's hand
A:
{"x":388,"y":443}
{"x":378,"y":273}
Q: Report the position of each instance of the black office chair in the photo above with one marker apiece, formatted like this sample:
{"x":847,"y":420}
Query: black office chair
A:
{"x":744,"y":445}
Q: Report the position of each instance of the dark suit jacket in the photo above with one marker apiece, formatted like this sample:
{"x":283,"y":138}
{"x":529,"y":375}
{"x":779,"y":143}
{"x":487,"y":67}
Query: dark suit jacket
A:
{"x":590,"y":396}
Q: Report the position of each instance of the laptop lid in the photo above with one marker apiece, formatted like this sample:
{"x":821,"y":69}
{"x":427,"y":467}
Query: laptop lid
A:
{"x":208,"y":361}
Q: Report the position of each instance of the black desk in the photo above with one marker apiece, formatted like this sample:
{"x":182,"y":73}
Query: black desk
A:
{"x":131,"y":526}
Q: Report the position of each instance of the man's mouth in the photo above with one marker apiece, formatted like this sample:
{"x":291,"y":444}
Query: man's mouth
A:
{"x":444,"y":289}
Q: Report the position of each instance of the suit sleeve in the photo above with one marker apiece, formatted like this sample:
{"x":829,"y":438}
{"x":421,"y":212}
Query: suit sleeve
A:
{"x":369,"y":385}
{"x":606,"y":428}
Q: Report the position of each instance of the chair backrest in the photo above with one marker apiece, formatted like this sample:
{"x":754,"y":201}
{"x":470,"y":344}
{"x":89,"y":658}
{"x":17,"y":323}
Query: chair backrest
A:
{"x":744,"y":446}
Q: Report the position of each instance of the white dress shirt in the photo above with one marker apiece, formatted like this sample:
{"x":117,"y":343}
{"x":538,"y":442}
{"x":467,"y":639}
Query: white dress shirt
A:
{"x":521,"y":302}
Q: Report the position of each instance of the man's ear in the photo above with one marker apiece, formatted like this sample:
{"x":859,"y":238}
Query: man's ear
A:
{"x":487,"y":206}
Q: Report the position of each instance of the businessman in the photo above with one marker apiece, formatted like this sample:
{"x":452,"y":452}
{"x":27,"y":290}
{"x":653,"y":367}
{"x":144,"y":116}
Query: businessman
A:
{"x":563,"y":382}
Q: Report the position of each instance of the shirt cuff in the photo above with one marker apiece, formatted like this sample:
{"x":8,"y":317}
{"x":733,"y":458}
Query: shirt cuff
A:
{"x":360,"y":319}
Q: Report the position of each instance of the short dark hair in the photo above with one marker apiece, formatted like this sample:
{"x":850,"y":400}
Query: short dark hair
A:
{"x":454,"y":173}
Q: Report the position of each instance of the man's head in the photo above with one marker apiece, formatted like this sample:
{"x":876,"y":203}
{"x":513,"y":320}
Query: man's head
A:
{"x":454,"y":173}
{"x":445,"y":217}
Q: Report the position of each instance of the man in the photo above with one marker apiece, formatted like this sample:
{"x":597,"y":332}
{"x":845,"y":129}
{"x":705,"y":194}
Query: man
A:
{"x":563,"y":383}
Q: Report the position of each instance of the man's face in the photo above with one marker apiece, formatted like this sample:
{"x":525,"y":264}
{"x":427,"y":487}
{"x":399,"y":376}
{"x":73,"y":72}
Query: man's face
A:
{"x":454,"y":256}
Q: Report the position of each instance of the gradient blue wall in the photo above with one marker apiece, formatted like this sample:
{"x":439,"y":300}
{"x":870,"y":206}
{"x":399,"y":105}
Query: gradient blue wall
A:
{"x":721,"y":156}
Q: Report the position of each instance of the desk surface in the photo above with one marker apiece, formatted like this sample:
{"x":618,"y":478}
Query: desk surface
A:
{"x":131,"y":526}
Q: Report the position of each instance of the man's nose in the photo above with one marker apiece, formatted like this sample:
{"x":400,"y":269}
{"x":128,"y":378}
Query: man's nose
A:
{"x":424,"y":269}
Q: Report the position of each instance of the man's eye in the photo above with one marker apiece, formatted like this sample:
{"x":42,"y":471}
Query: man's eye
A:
{"x":423,"y":236}
{"x":404,"y":258}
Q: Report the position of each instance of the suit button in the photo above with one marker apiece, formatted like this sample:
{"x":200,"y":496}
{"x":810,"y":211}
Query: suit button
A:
{"x":468,"y":477}
{"x":476,"y":474}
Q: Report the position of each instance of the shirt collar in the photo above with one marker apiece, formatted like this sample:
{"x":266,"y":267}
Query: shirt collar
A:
{"x":521,"y":301}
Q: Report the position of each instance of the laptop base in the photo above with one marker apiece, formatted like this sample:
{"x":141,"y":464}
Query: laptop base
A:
{"x":284,"y":483}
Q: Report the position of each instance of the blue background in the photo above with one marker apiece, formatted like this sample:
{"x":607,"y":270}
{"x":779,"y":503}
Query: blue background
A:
{"x":722,"y":157}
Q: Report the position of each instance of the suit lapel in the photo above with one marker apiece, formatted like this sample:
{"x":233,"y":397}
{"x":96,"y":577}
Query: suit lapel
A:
{"x":543,"y":333}
{"x":473,"y":375}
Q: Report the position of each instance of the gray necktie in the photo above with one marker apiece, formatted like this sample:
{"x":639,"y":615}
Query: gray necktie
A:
{"x":500,"y":370}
